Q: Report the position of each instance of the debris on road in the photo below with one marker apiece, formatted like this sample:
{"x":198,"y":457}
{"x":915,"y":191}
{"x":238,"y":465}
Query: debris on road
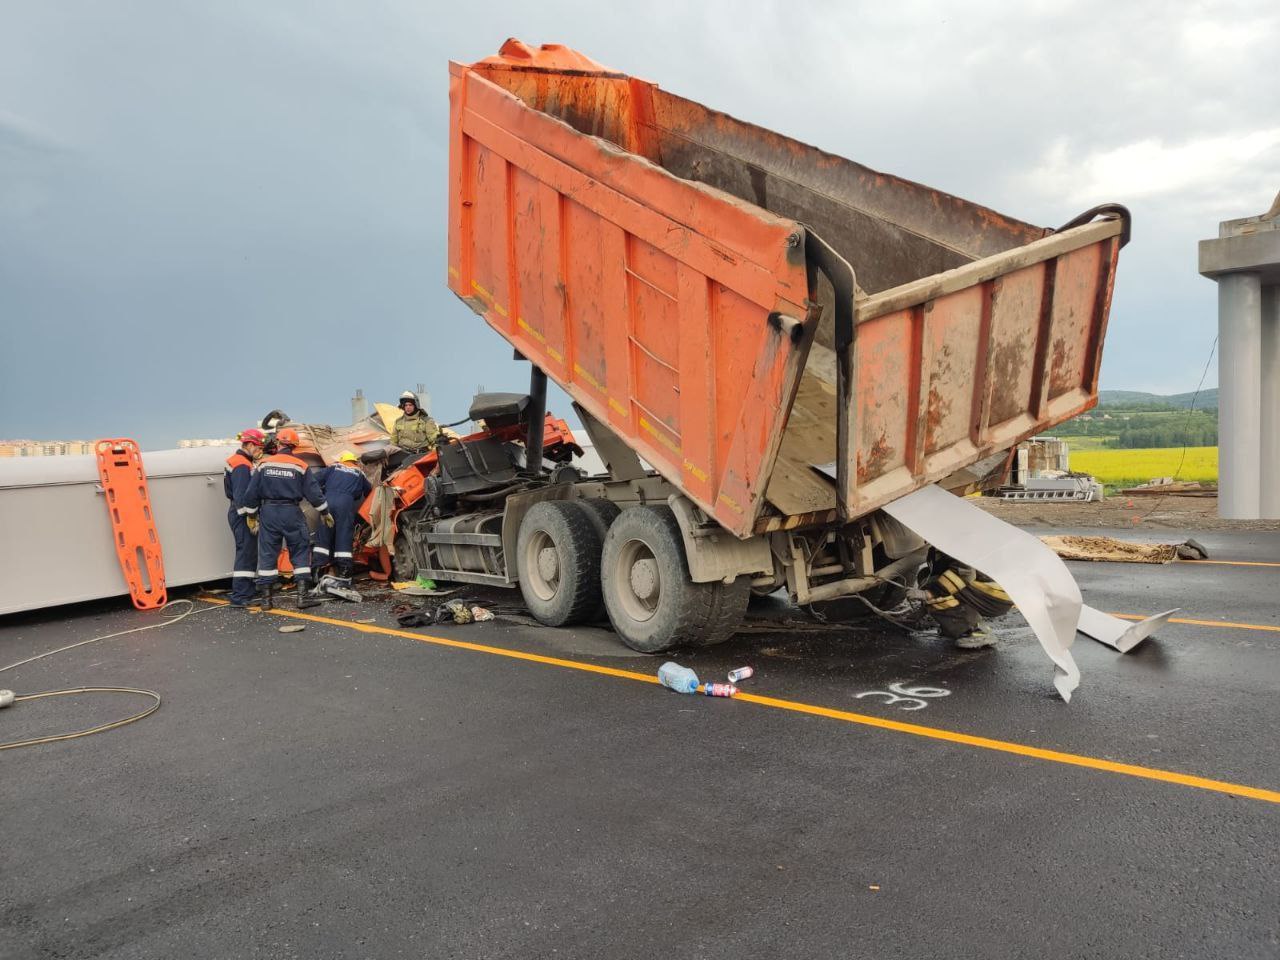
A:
{"x":675,"y":677}
{"x":413,"y":617}
{"x":1116,"y":633}
{"x":741,"y":673}
{"x":1110,"y":550}
{"x":291,"y":628}
{"x":481,"y":615}
{"x":415,"y":589}
{"x":338,"y":587}
{"x":1167,"y":486}
{"x":719,"y":689}
{"x":455,"y":610}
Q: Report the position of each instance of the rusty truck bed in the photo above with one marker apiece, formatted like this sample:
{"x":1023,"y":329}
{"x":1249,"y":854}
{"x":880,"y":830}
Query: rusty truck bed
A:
{"x":789,"y":337}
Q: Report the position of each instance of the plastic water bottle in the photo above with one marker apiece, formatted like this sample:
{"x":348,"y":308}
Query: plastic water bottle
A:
{"x":678,"y":678}
{"x":720,"y":690}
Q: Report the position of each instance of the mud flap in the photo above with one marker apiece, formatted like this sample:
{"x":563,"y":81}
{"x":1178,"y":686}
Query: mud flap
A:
{"x":1116,"y":633}
{"x":1035,"y":578}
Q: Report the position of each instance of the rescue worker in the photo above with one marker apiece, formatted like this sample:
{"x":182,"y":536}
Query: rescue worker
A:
{"x":279,"y":482}
{"x":235,"y":484}
{"x":959,"y":599}
{"x":414,"y":433}
{"x":345,"y":486}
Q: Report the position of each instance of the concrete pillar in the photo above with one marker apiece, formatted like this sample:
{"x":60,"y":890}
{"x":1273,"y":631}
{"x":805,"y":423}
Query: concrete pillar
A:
{"x":1270,"y":425}
{"x":1239,"y":395}
{"x":359,"y":407}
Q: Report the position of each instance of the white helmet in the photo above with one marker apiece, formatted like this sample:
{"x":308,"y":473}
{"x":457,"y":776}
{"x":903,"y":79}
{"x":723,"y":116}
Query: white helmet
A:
{"x":410,"y":397}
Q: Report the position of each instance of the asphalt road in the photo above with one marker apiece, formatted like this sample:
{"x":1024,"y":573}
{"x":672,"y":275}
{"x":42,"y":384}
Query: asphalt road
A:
{"x":345,"y":793}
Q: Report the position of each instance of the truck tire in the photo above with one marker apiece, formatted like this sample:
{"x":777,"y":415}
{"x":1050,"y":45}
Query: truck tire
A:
{"x":651,"y":602}
{"x":602,"y":512}
{"x":558,"y":562}
{"x":728,"y":606}
{"x":403,"y":566}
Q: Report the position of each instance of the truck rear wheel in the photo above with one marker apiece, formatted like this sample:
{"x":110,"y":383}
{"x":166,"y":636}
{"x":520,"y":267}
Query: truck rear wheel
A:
{"x":652,"y":603}
{"x":558,"y":562}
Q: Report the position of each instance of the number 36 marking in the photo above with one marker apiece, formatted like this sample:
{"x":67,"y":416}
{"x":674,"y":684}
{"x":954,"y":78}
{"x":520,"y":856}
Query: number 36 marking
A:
{"x":906,"y":696}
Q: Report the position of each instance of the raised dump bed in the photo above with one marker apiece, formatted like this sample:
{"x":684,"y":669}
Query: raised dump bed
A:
{"x":788,"y":337}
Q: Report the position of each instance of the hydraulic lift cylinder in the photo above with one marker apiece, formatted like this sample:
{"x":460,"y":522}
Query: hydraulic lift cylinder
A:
{"x":537,"y":418}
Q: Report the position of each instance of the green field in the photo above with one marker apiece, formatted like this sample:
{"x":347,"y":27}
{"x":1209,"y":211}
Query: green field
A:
{"x":1128,"y":468}
{"x":1087,"y":443}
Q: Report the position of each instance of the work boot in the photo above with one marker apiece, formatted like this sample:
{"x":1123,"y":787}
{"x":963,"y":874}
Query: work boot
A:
{"x":305,"y":598}
{"x":266,"y":596}
{"x":976,"y":639}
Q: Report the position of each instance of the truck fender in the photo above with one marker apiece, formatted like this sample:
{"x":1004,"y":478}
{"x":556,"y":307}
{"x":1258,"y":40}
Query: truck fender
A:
{"x":713,"y":553}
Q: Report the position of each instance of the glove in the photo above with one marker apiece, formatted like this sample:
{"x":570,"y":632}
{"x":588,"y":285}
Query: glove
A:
{"x":252,"y":523}
{"x":327,"y":517}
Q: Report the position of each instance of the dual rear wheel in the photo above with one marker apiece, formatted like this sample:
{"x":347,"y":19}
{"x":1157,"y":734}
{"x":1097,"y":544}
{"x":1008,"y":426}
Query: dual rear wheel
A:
{"x":577,"y":558}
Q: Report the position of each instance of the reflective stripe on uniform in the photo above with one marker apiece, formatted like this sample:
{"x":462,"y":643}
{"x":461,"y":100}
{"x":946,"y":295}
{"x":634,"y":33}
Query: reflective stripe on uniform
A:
{"x":341,"y":554}
{"x":301,"y":571}
{"x":951,"y":581}
{"x":323,"y":507}
{"x":247,"y":511}
{"x":243,"y":573}
{"x":321,"y":550}
{"x":268,"y":573}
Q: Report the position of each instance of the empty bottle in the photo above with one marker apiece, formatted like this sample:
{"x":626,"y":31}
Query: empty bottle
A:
{"x":678,"y":678}
{"x":719,"y":689}
{"x":742,"y":673}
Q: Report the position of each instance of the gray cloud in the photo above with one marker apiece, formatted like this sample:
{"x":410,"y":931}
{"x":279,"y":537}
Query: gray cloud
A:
{"x":210,"y":210}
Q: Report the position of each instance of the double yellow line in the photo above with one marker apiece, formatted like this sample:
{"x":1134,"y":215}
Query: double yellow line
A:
{"x":793,"y":706}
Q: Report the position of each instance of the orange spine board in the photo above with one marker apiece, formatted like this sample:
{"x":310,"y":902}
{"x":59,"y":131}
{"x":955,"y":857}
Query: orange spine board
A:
{"x":133,"y":528}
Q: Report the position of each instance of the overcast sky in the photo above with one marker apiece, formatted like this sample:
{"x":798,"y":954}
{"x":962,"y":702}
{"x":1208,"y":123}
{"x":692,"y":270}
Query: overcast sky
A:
{"x":211,"y":209}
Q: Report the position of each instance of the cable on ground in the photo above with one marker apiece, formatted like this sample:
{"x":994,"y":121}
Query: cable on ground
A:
{"x":101,"y":728}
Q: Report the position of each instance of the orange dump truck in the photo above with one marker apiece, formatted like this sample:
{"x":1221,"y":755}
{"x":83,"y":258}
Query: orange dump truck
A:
{"x":765,"y":342}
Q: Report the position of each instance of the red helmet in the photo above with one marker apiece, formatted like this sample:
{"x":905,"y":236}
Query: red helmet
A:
{"x":288,"y":436}
{"x":253,"y":435}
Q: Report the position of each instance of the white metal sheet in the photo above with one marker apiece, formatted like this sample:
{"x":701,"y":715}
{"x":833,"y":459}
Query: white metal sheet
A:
{"x":1034,"y":576}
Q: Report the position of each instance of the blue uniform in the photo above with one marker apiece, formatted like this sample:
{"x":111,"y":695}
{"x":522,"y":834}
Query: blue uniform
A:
{"x":279,"y":483}
{"x":235,"y":484}
{"x":345,"y":488}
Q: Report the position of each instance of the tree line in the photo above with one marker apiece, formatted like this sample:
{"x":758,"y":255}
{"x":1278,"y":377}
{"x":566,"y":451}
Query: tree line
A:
{"x":1131,"y":429}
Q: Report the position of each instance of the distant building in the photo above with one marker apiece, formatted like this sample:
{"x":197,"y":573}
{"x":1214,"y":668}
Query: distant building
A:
{"x":45,"y":448}
{"x":225,"y":442}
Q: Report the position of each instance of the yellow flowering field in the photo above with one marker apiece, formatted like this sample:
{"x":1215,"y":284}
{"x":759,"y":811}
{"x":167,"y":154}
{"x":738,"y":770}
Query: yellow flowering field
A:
{"x":1126,"y":468}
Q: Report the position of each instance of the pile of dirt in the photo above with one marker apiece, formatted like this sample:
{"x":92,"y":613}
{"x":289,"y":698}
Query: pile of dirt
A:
{"x":1110,"y":550}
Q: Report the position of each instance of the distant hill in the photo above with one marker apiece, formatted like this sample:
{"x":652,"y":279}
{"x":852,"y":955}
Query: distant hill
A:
{"x":1207,"y":400}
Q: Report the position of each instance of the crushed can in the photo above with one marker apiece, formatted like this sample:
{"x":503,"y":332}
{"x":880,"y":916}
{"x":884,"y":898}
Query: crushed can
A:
{"x":719,"y":689}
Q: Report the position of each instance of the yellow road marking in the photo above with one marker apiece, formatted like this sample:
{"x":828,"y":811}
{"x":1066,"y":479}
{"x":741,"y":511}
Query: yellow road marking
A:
{"x":1205,"y":623}
{"x":793,"y":706}
{"x":1232,"y":563}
